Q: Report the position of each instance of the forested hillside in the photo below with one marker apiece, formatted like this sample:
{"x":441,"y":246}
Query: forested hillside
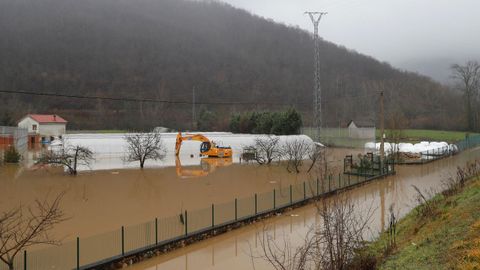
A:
{"x":162,"y":49}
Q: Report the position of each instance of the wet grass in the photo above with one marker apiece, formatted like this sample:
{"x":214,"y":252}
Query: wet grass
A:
{"x":447,"y":239}
{"x":417,"y":135}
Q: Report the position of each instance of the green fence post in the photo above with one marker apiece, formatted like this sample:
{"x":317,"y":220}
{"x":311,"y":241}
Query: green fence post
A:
{"x":25,"y":260}
{"x":123,"y":241}
{"x":78,"y":253}
{"x":186,"y":223}
{"x":156,"y":231}
{"x":236,"y":211}
{"x":213,"y":215}
{"x":291,"y":201}
{"x":317,"y":186}
{"x":304,"y":191}
{"x":274,"y":200}
{"x":255,"y":203}
{"x":339,"y":184}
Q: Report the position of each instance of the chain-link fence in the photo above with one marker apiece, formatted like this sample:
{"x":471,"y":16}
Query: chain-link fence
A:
{"x":470,"y":141}
{"x":343,"y":137}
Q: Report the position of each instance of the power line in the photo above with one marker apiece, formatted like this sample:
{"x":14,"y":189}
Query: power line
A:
{"x":178,"y":102}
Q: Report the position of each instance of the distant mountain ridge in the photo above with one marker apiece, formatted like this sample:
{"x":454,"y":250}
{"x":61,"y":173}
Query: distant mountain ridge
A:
{"x":162,"y":49}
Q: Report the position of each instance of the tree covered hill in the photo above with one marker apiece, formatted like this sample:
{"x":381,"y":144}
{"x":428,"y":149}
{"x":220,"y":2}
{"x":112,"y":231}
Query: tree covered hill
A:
{"x":162,"y":49}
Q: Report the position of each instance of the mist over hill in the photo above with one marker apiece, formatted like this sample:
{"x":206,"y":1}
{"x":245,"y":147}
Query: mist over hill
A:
{"x":162,"y":49}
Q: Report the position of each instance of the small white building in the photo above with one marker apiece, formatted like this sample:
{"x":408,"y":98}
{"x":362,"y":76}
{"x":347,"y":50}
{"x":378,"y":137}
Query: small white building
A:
{"x":361,"y":130}
{"x":43,"y":127}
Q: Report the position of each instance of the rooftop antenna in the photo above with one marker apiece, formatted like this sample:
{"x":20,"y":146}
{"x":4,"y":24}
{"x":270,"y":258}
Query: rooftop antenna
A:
{"x":317,"y":91}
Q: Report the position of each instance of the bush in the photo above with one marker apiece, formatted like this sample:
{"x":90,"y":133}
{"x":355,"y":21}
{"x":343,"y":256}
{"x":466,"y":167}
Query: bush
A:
{"x":11,"y":155}
{"x":287,"y":122}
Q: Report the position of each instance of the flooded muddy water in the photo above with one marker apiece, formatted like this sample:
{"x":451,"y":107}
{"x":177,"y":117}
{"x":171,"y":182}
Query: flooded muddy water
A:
{"x":103,"y":201}
{"x":234,"y":250}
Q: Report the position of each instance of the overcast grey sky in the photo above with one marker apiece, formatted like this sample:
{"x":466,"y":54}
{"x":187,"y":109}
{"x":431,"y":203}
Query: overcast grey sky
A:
{"x":403,"y":32}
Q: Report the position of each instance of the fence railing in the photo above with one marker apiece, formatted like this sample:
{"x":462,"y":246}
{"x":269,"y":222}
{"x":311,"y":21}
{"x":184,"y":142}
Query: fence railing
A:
{"x":469,"y":142}
{"x":85,"y":253}
{"x":423,"y":156}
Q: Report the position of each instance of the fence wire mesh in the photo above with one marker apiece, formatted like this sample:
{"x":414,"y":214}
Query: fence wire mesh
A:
{"x":265,"y":202}
{"x":224,"y":213}
{"x":139,"y":236}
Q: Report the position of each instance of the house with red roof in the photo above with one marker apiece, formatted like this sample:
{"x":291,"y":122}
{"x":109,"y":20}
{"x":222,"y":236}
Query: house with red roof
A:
{"x":43,"y":127}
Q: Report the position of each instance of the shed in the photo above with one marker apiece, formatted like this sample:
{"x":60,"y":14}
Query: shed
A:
{"x":361,"y":129}
{"x":43,"y":127}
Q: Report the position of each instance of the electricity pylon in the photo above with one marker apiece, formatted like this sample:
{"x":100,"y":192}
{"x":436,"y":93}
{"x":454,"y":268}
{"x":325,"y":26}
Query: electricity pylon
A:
{"x":317,"y":92}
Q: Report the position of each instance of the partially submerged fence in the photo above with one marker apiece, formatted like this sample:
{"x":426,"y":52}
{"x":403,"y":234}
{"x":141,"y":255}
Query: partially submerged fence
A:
{"x":423,"y":156}
{"x":86,"y":253}
{"x":14,"y":136}
{"x":367,"y":165}
{"x":470,"y":141}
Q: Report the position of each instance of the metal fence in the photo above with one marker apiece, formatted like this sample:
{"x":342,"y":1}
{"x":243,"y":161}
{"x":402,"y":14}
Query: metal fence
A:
{"x":469,"y":142}
{"x":18,"y":136}
{"x":340,"y":137}
{"x":424,"y":156}
{"x":88,"y":252}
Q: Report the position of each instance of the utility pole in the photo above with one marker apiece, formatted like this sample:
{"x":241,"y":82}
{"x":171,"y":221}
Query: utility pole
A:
{"x":193,"y":110}
{"x":317,"y":92}
{"x":382,"y":130}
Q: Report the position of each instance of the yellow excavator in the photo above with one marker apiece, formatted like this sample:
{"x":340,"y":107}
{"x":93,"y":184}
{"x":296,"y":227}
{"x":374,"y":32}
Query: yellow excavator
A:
{"x":207,"y":148}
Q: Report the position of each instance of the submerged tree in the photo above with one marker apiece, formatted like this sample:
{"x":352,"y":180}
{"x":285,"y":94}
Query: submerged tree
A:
{"x":24,"y":227}
{"x":143,"y":146}
{"x":70,"y":156}
{"x":11,"y":155}
{"x":267,"y":149}
{"x":295,"y":152}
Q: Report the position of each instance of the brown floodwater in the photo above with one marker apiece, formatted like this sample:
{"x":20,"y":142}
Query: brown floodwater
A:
{"x":103,"y":201}
{"x":234,"y":250}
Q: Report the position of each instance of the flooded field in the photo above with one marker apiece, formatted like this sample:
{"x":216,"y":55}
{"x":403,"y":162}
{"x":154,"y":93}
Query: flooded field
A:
{"x":234,"y":250}
{"x":104,"y":200}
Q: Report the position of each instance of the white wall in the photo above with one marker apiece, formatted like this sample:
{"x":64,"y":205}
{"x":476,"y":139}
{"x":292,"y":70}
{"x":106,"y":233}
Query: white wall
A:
{"x":53,"y":129}
{"x":28,"y":123}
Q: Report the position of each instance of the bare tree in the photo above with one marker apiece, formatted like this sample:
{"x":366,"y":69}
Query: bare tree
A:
{"x":397,"y":123}
{"x":143,"y":146}
{"x":332,"y":244}
{"x":469,"y":80}
{"x":316,"y":155}
{"x":341,"y":233}
{"x":295,"y":151}
{"x":267,"y":149}
{"x":70,"y":156}
{"x":22,"y":227}
{"x":283,"y":255}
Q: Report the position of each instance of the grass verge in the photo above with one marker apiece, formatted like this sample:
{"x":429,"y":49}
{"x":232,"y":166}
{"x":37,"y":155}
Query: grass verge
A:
{"x":446,"y":238}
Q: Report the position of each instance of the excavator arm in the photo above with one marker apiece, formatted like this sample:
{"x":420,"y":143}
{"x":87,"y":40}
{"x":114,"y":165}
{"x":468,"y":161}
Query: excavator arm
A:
{"x":188,"y":137}
{"x":207,"y":148}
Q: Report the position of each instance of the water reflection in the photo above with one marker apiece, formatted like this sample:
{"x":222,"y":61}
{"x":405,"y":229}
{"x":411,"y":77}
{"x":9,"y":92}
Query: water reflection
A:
{"x":207,"y":166}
